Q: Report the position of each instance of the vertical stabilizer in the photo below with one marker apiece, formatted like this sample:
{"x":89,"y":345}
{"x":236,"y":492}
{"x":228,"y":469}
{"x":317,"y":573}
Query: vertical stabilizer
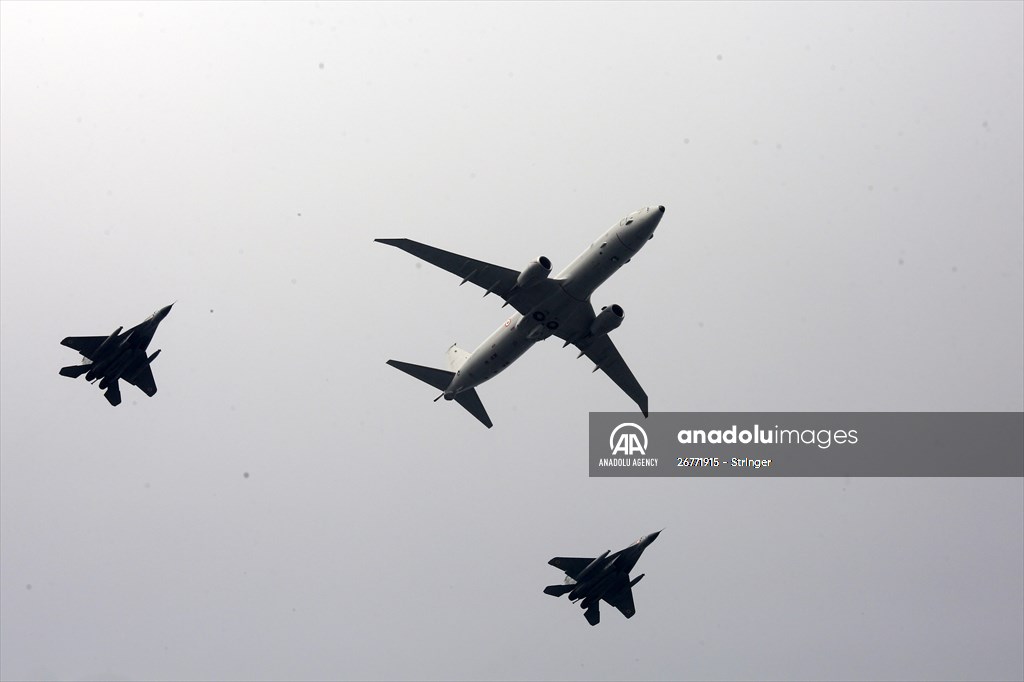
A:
{"x":456,"y":358}
{"x":113,"y":394}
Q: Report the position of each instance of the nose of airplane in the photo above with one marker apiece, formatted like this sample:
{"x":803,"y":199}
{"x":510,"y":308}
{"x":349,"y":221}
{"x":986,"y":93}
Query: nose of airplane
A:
{"x":636,"y":233}
{"x":653,"y":536}
{"x":162,"y":313}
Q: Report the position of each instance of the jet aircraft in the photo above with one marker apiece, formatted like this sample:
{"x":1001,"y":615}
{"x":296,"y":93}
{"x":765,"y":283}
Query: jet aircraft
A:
{"x":545,"y":306}
{"x":118,"y":356}
{"x":606,"y":577}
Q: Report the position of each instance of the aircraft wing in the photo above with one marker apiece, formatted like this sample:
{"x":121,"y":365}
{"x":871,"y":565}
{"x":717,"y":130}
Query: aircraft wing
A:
{"x":572,"y":566}
{"x":605,"y":355}
{"x":86,"y":345}
{"x":491,"y":278}
{"x":623,"y":601}
{"x":144,"y":380}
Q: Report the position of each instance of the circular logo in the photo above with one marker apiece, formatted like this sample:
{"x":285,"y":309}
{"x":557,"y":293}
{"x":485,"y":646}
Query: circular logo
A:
{"x":628,"y":439}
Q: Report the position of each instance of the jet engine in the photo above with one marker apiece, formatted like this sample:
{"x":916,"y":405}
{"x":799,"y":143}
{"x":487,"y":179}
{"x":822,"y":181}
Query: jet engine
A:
{"x":534,"y":272}
{"x":107,"y":342}
{"x":94,"y":371}
{"x":607,"y":320}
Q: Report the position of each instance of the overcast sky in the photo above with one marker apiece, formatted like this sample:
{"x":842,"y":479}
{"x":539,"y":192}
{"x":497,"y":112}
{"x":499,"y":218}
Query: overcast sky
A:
{"x":844,"y":231}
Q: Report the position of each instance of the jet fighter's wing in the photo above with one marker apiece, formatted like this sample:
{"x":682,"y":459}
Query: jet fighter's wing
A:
{"x":572,"y":566}
{"x":623,"y":601}
{"x":491,"y":278}
{"x":144,"y":380}
{"x":603,"y":353}
{"x":86,"y":345}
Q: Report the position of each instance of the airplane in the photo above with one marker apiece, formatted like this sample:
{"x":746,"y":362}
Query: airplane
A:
{"x":545,"y":306}
{"x":118,"y":356}
{"x":606,"y":577}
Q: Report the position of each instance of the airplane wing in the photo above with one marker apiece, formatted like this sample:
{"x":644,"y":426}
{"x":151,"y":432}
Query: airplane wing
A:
{"x":572,"y":566}
{"x":623,"y":601}
{"x":491,"y":278}
{"x":86,"y":345}
{"x":144,"y":380}
{"x":603,"y":353}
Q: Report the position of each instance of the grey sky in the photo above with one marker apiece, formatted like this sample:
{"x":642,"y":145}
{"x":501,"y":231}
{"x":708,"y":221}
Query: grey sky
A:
{"x":844,"y":231}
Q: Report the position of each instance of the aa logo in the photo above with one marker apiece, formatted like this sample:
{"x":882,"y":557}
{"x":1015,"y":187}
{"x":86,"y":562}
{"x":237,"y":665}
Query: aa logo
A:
{"x":628,"y":439}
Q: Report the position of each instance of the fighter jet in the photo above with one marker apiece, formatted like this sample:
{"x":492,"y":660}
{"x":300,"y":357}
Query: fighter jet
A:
{"x":118,"y":356}
{"x":606,"y":577}
{"x":545,"y":306}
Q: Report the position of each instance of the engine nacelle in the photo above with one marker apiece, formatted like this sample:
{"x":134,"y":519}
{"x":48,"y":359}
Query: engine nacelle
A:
{"x":589,"y":568}
{"x":107,"y":342}
{"x":534,"y":272}
{"x":98,"y":367}
{"x":584,"y":576}
{"x":607,"y":320}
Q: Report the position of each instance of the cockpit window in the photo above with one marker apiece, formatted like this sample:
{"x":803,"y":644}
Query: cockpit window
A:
{"x":629,"y":221}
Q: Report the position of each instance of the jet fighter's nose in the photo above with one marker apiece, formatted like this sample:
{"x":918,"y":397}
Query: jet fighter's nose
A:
{"x":162,"y":313}
{"x":653,"y":536}
{"x":661,"y":209}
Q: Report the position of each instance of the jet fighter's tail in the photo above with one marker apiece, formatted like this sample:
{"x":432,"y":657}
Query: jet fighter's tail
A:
{"x":558,"y":590}
{"x":440,"y":379}
{"x":75,"y":371}
{"x":113,"y":394}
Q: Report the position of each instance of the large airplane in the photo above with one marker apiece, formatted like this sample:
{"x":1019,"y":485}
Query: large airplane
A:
{"x":118,"y":356}
{"x":545,"y":306}
{"x":606,"y":577}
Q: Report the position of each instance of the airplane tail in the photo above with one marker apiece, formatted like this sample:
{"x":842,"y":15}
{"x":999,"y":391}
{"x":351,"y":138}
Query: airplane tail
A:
{"x":113,"y":394}
{"x":471,"y":401}
{"x":456,"y":358}
{"x":75,"y":371}
{"x":558,"y":590}
{"x":440,"y":379}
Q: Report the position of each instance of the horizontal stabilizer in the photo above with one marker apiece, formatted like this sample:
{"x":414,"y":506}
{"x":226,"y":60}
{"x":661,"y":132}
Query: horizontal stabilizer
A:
{"x":75,"y":371}
{"x":558,"y":590}
{"x":438,"y":378}
{"x":471,"y":401}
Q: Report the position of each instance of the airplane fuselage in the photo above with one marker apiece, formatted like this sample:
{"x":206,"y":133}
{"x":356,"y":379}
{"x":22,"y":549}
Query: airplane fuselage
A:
{"x":120,"y":355}
{"x":564,"y":307}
